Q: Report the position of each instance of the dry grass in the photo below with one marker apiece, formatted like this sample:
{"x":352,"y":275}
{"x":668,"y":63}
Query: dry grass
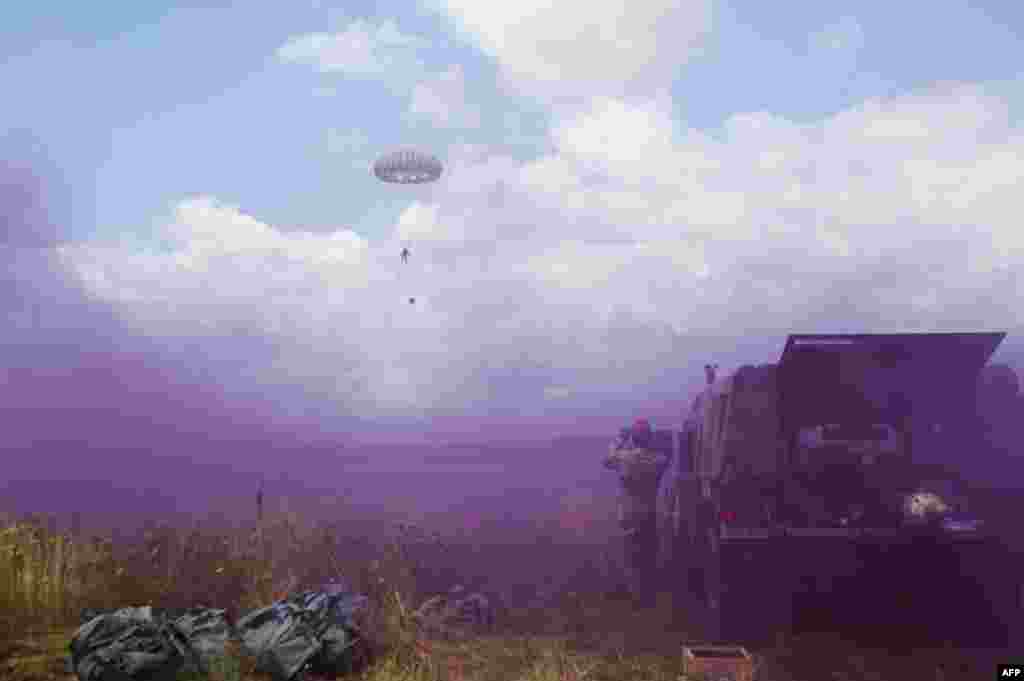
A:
{"x":568,"y":630}
{"x":47,"y":578}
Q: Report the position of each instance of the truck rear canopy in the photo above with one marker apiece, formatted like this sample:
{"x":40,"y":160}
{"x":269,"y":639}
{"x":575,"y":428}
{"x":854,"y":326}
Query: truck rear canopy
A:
{"x":876,"y":378}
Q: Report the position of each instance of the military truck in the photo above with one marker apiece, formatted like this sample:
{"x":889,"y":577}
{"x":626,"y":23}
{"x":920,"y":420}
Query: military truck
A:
{"x":804,"y":497}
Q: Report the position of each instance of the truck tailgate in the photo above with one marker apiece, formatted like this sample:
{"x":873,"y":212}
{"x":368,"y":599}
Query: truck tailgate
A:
{"x":876,"y":587}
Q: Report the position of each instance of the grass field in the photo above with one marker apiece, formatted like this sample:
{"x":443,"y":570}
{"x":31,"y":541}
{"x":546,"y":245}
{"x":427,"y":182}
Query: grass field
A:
{"x":568,"y":627}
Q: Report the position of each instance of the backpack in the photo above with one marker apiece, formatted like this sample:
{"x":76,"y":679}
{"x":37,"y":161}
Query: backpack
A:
{"x":340,"y":636}
{"x":311,"y":630}
{"x":131,"y":644}
{"x":207,"y":631}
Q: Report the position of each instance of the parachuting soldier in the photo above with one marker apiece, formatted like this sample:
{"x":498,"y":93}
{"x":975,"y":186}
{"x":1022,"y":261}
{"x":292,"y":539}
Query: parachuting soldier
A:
{"x":407,"y":167}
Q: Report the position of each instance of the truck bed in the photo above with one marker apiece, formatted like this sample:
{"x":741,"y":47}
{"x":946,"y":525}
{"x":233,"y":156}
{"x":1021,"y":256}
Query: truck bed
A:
{"x":877,"y":586}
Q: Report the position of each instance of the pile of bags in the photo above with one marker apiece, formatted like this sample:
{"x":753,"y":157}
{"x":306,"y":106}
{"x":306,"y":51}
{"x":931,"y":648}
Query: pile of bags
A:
{"x":309,"y":631}
{"x":312,"y":631}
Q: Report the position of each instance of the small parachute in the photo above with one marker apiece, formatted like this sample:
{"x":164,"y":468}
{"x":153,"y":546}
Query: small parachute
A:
{"x":407,"y":166}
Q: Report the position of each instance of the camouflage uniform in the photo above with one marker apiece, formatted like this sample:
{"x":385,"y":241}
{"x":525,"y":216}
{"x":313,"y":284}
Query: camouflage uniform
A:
{"x":640,"y":472}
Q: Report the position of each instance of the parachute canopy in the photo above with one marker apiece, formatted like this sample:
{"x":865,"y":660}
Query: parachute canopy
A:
{"x":407,"y":166}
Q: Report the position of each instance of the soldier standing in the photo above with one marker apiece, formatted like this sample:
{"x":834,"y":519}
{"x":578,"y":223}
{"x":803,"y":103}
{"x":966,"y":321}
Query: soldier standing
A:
{"x":640,"y":467}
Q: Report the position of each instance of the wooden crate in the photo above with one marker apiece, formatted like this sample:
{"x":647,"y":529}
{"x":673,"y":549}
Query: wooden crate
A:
{"x":731,"y":663}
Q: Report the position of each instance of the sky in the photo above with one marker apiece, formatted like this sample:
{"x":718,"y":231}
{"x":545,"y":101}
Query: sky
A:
{"x":197,"y":252}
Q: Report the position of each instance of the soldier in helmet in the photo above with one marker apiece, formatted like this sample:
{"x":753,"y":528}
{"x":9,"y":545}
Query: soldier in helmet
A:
{"x":640,"y":465}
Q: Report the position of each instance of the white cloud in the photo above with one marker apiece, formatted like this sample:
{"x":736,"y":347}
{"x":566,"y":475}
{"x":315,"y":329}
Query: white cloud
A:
{"x":442,"y":100}
{"x":899,"y":214}
{"x":362,"y":49}
{"x":420,"y":222}
{"x":606,"y":48}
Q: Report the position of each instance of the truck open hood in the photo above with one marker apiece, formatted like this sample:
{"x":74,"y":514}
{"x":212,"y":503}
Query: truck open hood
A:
{"x":876,"y":378}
